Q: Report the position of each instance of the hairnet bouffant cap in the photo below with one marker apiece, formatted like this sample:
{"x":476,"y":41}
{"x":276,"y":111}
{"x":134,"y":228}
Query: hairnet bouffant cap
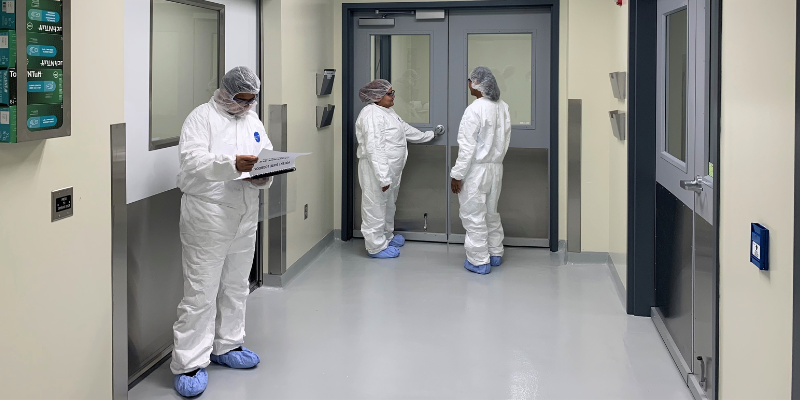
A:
{"x":241,"y":80}
{"x":374,"y":91}
{"x":237,"y":80}
{"x":483,"y":80}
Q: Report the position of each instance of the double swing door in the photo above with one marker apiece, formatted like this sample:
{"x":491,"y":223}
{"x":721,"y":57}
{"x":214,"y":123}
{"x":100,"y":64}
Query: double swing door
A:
{"x":685,"y":235}
{"x":428,"y":63}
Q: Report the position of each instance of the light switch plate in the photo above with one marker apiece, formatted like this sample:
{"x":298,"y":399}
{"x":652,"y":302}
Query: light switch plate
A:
{"x":61,"y":204}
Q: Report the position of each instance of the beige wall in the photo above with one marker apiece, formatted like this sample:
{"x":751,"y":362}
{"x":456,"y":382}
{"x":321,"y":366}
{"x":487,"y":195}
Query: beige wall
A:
{"x":598,"y":46}
{"x":55,"y":278}
{"x":618,"y":155}
{"x":296,"y":47}
{"x":588,"y":65}
{"x":756,"y":172}
{"x":305,"y":50}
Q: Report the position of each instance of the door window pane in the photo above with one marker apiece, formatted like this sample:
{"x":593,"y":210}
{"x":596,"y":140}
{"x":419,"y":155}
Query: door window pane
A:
{"x":509,"y":56}
{"x":676,"y":84}
{"x":405,"y":60}
{"x":184,"y":66}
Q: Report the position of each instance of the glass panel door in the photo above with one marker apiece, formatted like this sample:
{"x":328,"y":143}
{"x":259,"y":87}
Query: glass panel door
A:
{"x":685,"y":270}
{"x":412,"y":55}
{"x":515,"y":46}
{"x":427,"y":63}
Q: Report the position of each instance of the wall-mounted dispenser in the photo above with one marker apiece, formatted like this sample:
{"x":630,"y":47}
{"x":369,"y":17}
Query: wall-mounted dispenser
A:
{"x":325,"y":82}
{"x":324,"y":115}
{"x":35,"y":63}
{"x":618,"y":123}
{"x":619,"y":81}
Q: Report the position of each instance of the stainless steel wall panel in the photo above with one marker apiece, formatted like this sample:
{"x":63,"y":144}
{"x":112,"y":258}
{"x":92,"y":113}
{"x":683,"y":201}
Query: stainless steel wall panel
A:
{"x":277,"y":130}
{"x":155,"y":278}
{"x":119,"y":264}
{"x":574,"y":139}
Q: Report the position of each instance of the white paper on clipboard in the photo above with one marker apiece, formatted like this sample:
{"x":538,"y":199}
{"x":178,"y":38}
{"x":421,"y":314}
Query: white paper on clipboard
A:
{"x":271,"y":163}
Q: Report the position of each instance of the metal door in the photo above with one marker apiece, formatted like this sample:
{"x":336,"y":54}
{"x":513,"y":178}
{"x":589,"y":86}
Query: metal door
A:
{"x":428,"y":61}
{"x":412,"y":54}
{"x":685,"y":271}
{"x":515,"y":45}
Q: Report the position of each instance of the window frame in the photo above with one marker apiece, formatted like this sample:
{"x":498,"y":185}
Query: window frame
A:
{"x":220,"y":9}
{"x":682,"y":165}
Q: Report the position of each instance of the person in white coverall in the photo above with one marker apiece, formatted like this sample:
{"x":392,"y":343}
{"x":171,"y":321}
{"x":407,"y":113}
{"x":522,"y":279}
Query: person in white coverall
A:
{"x":477,"y":177}
{"x":382,"y":151}
{"x":220,"y":141}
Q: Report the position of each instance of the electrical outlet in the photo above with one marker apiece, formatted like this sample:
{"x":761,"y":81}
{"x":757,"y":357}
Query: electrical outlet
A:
{"x":306,"y":212}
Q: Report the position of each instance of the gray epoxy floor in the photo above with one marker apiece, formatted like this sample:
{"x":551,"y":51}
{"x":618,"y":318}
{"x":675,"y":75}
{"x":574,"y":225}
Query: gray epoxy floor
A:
{"x":421,"y":326}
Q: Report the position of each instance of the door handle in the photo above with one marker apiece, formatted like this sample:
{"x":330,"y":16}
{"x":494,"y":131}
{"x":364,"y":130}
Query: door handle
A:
{"x":695,"y":186}
{"x":439,"y":131}
{"x":702,"y":371}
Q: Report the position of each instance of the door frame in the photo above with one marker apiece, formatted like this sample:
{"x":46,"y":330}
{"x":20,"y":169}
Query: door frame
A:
{"x":642,"y":67}
{"x":258,"y":256}
{"x":348,"y":122}
{"x":796,"y":261}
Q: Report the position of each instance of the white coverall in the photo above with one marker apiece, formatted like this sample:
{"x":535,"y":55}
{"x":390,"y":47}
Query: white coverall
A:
{"x":382,"y":151}
{"x":219,"y":218}
{"x":483,"y":138}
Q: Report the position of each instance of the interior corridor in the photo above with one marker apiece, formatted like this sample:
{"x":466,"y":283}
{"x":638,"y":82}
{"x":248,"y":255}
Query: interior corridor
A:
{"x":421,"y":326}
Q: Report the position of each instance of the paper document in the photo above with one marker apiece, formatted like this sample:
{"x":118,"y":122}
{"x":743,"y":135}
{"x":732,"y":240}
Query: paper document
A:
{"x":271,"y":163}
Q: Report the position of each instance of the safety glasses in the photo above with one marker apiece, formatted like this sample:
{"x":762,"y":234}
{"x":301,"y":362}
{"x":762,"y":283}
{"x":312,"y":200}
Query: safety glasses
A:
{"x":391,"y":94}
{"x":244,"y":102}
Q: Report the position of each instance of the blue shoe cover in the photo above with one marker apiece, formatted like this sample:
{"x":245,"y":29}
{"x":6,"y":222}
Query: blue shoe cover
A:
{"x":238,"y":359}
{"x":191,"y":386}
{"x":398,"y":241}
{"x":389,"y":252}
{"x":495,"y":261}
{"x":480,"y":269}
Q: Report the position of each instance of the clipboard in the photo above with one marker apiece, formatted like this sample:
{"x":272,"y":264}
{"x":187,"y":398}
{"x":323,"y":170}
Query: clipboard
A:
{"x":272,"y":163}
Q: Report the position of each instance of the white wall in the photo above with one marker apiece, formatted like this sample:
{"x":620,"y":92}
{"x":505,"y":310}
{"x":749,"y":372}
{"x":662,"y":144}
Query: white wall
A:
{"x":55,"y":278}
{"x":154,"y":172}
{"x":756,"y":173}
